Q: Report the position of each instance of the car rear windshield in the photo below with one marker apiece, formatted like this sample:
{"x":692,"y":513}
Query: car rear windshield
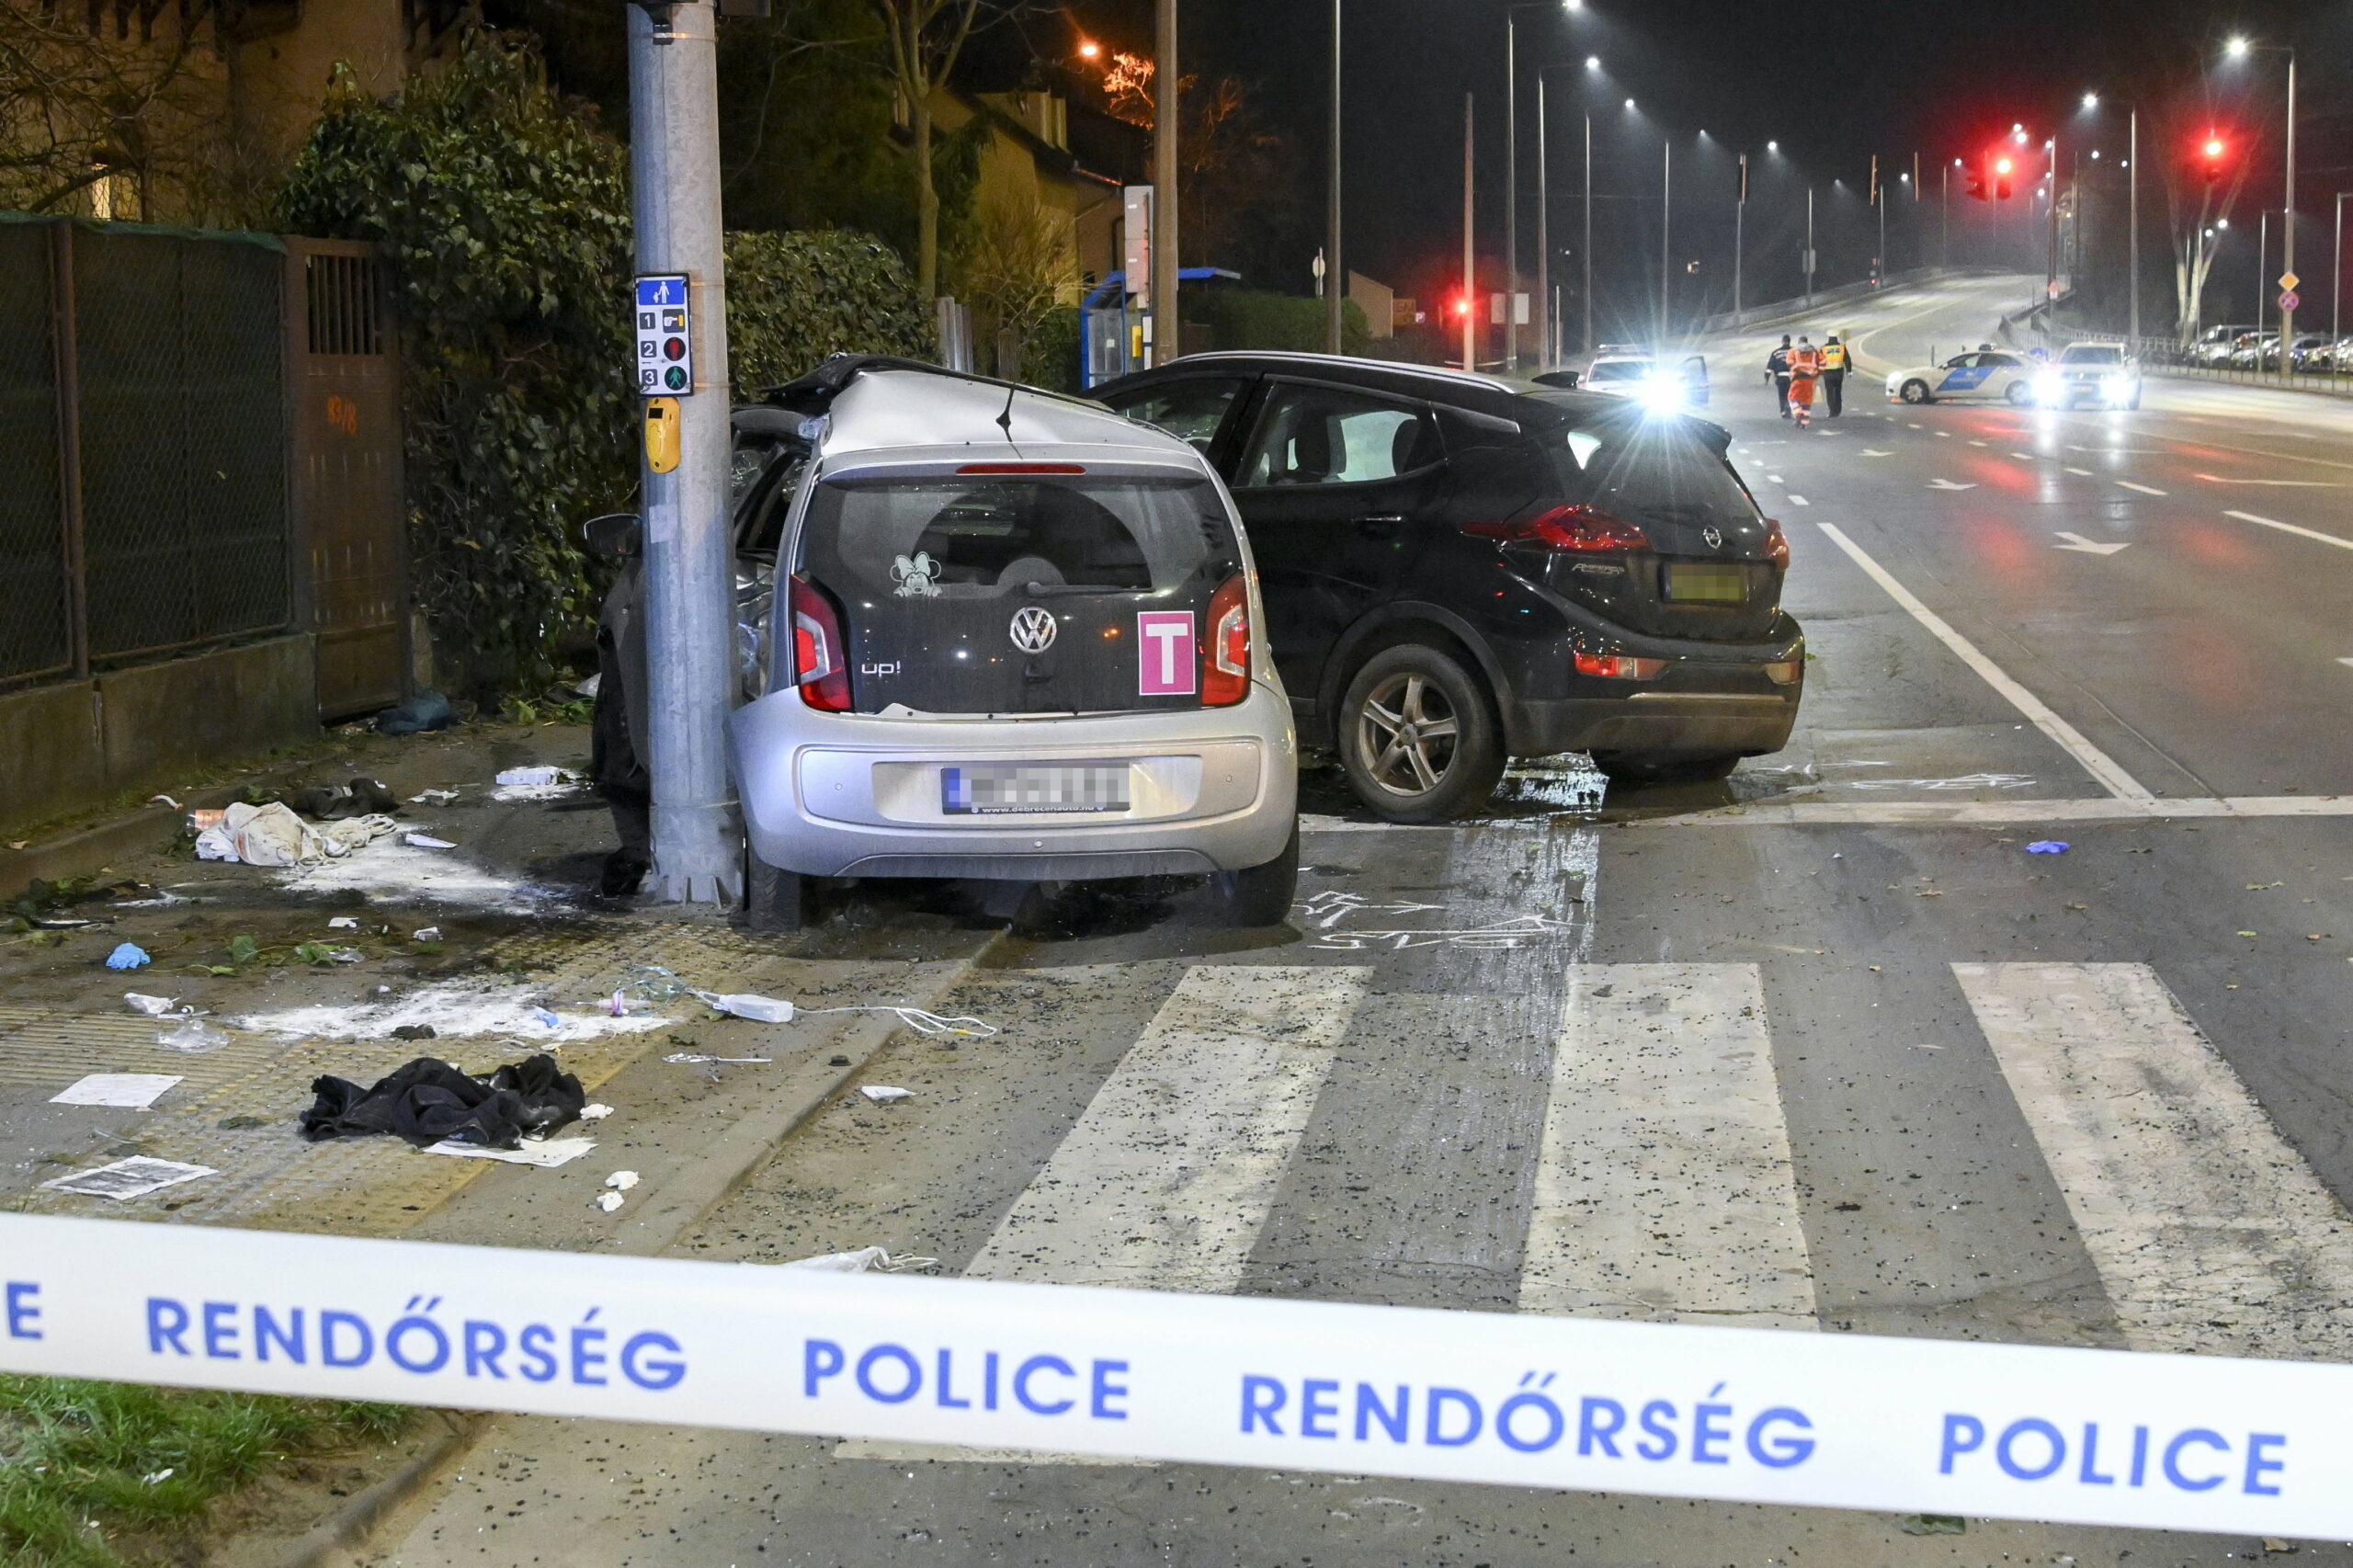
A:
{"x":2090,"y":354}
{"x":1642,"y":466}
{"x":971,"y":537}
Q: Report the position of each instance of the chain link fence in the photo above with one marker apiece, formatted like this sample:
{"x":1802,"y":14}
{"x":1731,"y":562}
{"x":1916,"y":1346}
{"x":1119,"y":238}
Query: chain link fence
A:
{"x":152,"y":518}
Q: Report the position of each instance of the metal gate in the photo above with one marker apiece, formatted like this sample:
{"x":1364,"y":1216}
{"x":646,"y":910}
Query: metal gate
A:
{"x":343,"y":375}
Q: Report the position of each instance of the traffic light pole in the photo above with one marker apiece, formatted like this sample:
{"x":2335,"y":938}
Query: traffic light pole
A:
{"x":1511,"y":191}
{"x":2133,"y":217}
{"x":1739,"y":227}
{"x":1544,"y":352}
{"x":2288,"y":236}
{"x":1469,"y":262}
{"x":688,"y":561}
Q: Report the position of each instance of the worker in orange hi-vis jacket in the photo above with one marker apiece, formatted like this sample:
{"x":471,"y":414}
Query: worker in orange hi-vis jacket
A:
{"x":1805,"y":373}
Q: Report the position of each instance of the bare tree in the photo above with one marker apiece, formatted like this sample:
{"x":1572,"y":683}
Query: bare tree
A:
{"x":139,"y":115}
{"x":926,"y":39}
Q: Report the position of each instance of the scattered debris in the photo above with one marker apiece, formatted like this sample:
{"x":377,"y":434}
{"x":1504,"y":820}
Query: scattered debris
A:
{"x":433,"y":798}
{"x":426,"y":841}
{"x":609,"y":1201}
{"x":426,"y":934}
{"x":652,"y":983}
{"x":696,"y":1058}
{"x":134,"y":1177}
{"x":412,"y":715}
{"x":343,"y":923}
{"x":595,"y":1112}
{"x":155,"y":1476}
{"x":2248,"y":933}
{"x":165,"y":801}
{"x":427,"y":1101}
{"x":417,"y":1031}
{"x":2040,"y":846}
{"x":156,"y":1006}
{"x":2273,"y":1543}
{"x":121,"y":1091}
{"x":759,"y":1009}
{"x":622,"y":1181}
{"x":534,"y":784}
{"x":1933,"y":1524}
{"x":453,"y":1009}
{"x":193,"y":1038}
{"x":273,"y":835}
{"x":242,"y":1123}
{"x":837,"y":1062}
{"x":532,"y":776}
{"x":546,"y":1153}
{"x":865,"y":1260}
{"x":129,"y":955}
{"x":883,"y":1093}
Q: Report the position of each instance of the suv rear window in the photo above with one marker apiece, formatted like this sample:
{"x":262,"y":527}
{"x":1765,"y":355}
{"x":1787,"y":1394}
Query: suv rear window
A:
{"x":1638,"y":467}
{"x":966,"y":538}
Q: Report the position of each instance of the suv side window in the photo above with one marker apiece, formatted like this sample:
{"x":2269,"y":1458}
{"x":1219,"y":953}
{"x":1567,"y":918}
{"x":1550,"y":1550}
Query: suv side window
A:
{"x":1190,"y":410}
{"x":1325,"y":435}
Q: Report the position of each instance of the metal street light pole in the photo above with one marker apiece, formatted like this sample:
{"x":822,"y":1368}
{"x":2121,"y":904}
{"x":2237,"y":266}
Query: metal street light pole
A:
{"x":1739,"y":228}
{"x":688,"y":562}
{"x":2287,"y":235}
{"x":1335,"y":284}
{"x":1166,"y":334}
{"x":1469,"y":293}
{"x":1588,"y":345}
{"x":1511,"y":190}
{"x":2050,"y":280}
{"x":1665,"y":247}
{"x":2132,"y":219}
{"x":1543,"y":236}
{"x":1808,"y":245}
{"x":2336,"y":285}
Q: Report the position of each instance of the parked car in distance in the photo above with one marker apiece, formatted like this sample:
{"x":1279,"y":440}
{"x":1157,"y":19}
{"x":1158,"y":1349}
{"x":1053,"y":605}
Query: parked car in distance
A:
{"x":2313,"y":352}
{"x":1017,"y":639}
{"x":1673,"y":389}
{"x":2103,"y":373}
{"x":1458,"y":571}
{"x":2250,"y":349}
{"x":1985,"y":373}
{"x":2215,"y":344}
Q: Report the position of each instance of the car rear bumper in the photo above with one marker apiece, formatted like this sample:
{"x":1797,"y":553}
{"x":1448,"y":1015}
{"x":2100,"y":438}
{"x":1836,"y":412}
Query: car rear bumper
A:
{"x":1712,"y":699}
{"x":860,"y":795}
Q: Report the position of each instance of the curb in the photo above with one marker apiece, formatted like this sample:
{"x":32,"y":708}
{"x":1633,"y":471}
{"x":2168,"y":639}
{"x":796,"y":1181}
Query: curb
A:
{"x":734,"y":1158}
{"x":137,"y":832}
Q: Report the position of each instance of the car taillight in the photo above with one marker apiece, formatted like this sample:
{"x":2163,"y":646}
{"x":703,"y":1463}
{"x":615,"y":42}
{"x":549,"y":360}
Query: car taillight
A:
{"x":817,"y":665}
{"x":1786,"y":673}
{"x":1577,"y":529}
{"x":1617,"y":667}
{"x":1777,"y":545}
{"x":1225,"y":657}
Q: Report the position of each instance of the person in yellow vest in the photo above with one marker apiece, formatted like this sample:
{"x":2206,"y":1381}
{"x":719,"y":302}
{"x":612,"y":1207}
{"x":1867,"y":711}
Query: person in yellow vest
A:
{"x":1836,"y":363}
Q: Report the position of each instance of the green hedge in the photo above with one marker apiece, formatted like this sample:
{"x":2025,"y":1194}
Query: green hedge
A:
{"x":1247,"y":318}
{"x":794,"y":299}
{"x":503,"y":218}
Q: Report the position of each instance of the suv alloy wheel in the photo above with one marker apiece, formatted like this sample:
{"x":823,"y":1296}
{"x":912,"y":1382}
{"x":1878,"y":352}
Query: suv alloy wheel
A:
{"x":1418,"y":736}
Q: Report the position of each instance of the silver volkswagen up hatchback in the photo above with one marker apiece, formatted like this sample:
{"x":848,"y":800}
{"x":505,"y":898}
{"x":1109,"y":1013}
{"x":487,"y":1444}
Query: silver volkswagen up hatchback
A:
{"x":1017,"y":637}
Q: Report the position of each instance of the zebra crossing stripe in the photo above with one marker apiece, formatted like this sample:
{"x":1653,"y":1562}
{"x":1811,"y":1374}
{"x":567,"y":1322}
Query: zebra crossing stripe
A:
{"x":1664,"y":1190}
{"x":1166,"y":1180}
{"x":2210,"y":1233}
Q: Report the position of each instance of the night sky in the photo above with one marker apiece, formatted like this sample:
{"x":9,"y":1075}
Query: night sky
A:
{"x":1833,"y":82}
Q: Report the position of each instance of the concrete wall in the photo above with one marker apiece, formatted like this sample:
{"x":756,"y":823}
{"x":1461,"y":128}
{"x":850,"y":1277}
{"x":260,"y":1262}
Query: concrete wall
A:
{"x":68,"y":748}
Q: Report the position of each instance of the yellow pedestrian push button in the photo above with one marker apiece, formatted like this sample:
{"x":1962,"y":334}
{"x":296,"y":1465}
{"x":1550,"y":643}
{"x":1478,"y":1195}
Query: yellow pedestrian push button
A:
{"x":662,"y":434}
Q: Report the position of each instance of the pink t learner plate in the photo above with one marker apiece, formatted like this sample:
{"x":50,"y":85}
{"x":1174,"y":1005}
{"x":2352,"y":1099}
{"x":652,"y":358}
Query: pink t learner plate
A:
{"x":1164,"y":654}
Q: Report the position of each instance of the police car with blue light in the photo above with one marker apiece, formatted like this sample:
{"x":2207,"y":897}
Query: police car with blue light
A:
{"x":1987,"y":373}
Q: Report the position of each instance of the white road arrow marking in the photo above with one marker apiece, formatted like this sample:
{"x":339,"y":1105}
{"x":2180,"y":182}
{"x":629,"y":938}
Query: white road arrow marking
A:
{"x":2083,"y":546}
{"x":1947,"y":484}
{"x":2143,"y":489}
{"x":1875,"y":452}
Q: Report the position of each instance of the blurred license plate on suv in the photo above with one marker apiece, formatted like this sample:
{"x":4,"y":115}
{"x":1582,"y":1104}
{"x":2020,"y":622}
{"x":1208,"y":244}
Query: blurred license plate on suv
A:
{"x":1707,"y":585}
{"x":1004,"y":788}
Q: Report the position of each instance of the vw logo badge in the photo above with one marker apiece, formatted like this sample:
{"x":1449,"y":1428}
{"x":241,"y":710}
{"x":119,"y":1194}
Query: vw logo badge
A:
{"x":1033,"y":629}
{"x":1715,"y":537}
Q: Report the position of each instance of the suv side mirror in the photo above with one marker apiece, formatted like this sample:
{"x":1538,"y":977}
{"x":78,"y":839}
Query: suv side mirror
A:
{"x":616,"y":536}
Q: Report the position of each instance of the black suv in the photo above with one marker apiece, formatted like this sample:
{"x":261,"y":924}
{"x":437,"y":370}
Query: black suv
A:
{"x":1456,"y":571}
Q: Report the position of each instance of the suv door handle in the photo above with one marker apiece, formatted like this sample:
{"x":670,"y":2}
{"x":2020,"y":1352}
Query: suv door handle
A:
{"x":1382,"y":522}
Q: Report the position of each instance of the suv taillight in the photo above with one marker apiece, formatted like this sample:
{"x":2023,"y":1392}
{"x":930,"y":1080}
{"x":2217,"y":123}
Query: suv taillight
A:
{"x":1777,"y":545}
{"x":1225,"y":657}
{"x":817,"y":665}
{"x":1576,"y":530}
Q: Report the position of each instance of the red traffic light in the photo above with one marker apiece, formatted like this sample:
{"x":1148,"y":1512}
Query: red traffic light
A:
{"x":2213,"y":146}
{"x":2003,"y":165}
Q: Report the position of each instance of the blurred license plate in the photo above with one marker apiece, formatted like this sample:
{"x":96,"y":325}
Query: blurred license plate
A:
{"x":1001,"y":789}
{"x":1707,"y":585}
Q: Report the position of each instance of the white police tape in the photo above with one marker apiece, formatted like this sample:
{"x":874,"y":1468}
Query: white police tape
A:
{"x":1758,"y":1415}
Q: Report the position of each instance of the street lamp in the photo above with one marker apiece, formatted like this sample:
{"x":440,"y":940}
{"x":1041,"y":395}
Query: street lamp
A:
{"x":2133,"y":213}
{"x":1511,"y":159}
{"x":2239,"y":49}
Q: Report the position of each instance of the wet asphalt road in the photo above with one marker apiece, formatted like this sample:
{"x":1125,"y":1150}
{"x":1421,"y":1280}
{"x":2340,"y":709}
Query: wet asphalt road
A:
{"x":1823,"y":1048}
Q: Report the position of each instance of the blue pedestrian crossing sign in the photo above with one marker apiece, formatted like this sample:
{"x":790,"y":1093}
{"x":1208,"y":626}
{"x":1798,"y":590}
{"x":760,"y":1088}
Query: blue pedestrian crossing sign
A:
{"x":666,"y":352}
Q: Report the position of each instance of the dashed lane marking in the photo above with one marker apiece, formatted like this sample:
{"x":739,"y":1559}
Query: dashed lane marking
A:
{"x":1797,"y":500}
{"x":2085,"y":473}
{"x":2292,"y":529}
{"x":2097,"y":762}
{"x":1663,"y":1186}
{"x":2143,"y":489}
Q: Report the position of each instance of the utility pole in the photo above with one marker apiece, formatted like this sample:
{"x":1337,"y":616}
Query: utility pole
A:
{"x":1739,"y":228}
{"x":1808,"y":245}
{"x":1544,"y":353}
{"x":1335,"y":282}
{"x":2262,"y":279}
{"x":689,"y":559}
{"x":2337,"y":288}
{"x":2287,"y":235}
{"x":1878,"y":199}
{"x":2051,"y":279}
{"x":1665,"y":247}
{"x":1166,"y":337}
{"x":1511,"y":191}
{"x":1944,"y":235}
{"x":1588,"y":345}
{"x":2132,"y":219}
{"x":1469,"y":262}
